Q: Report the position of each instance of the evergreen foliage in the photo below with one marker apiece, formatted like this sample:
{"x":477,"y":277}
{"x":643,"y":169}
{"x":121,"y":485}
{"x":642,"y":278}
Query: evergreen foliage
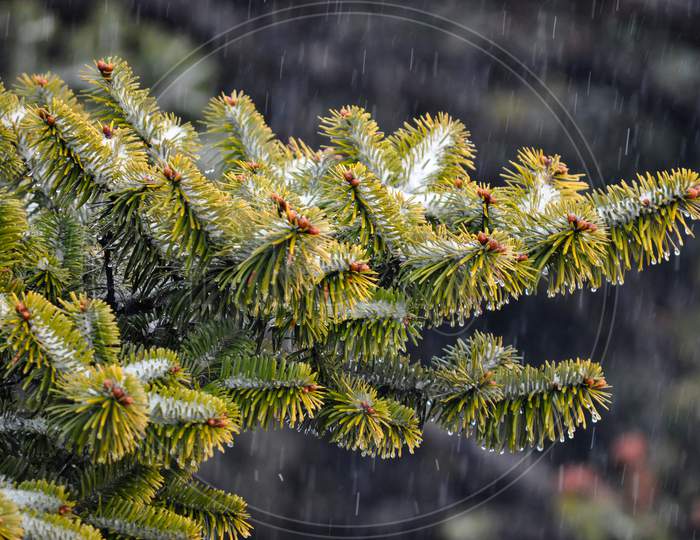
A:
{"x":150,"y":310}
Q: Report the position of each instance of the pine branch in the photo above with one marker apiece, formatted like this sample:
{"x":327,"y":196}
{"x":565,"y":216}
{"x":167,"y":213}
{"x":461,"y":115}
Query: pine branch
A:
{"x":96,"y":323}
{"x":221,"y":515}
{"x":240,"y":131}
{"x":431,"y":153}
{"x":186,"y":426}
{"x":366,"y":212}
{"x":120,"y":99}
{"x":355,"y":418}
{"x":103,"y":411}
{"x":537,"y":180}
{"x":378,"y":328}
{"x":355,"y":136}
{"x":645,"y":218}
{"x":129,"y":519}
{"x":271,"y":390}
{"x":38,"y":525}
{"x":38,"y":335}
{"x":567,"y":242}
{"x":156,"y":367}
{"x":10,"y":520}
{"x":456,"y":274}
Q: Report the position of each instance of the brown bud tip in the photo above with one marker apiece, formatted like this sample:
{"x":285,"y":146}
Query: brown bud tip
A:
{"x":562,"y":169}
{"x":485,"y":194}
{"x":345,"y":112}
{"x":254,"y":165}
{"x":493,"y":245}
{"x":692,"y":193}
{"x":571,"y":218}
{"x":482,"y":237}
{"x":588,"y":382}
{"x":230,"y":101}
{"x":175,"y":369}
{"x":367,"y":407}
{"x":491,"y":382}
{"x":64,"y":509}
{"x":126,"y":401}
{"x":600,"y":383}
{"x":83,"y":304}
{"x":221,"y":422}
{"x":107,"y":384}
{"x":458,"y":182}
{"x":546,"y":160}
{"x":40,"y":80}
{"x":171,"y":174}
{"x":646,"y":201}
{"x":592,"y":227}
{"x":303,"y":223}
{"x":351,"y":179}
{"x":22,"y":311}
{"x":105,"y":68}
{"x":46,"y":117}
{"x":118,"y":392}
{"x":211,"y":422}
{"x":107,"y":131}
{"x":522,"y":257}
{"x":314,"y":231}
{"x":355,"y":266}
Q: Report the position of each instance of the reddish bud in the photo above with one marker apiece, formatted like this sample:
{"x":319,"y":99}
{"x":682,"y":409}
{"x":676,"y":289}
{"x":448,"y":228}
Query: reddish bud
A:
{"x":646,"y":201}
{"x":108,"y":384}
{"x":692,"y":193}
{"x":562,"y":169}
{"x":367,"y":407}
{"x":171,"y":174}
{"x":39,"y":80}
{"x":126,"y":401}
{"x":46,"y":117}
{"x":105,"y":68}
{"x":175,"y":369}
{"x":359,"y":267}
{"x":253,"y":165}
{"x":522,"y":257}
{"x":493,"y":244}
{"x":107,"y":131}
{"x":485,"y":194}
{"x":314,"y":231}
{"x":23,"y":311}
{"x":303,"y":223}
{"x":230,"y":101}
{"x":458,"y":183}
{"x":345,"y":112}
{"x":482,"y":237}
{"x":64,"y":509}
{"x":571,"y":218}
{"x":118,"y":392}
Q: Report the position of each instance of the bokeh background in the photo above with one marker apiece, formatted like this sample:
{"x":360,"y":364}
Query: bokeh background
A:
{"x":626,"y":71}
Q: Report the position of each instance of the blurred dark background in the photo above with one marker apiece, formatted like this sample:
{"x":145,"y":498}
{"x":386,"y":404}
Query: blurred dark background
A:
{"x":610,"y":85}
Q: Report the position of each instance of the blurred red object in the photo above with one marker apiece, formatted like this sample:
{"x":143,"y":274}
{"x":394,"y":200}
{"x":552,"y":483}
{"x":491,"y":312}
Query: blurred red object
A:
{"x":695,"y":514}
{"x":578,"y":479}
{"x":630,"y":449}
